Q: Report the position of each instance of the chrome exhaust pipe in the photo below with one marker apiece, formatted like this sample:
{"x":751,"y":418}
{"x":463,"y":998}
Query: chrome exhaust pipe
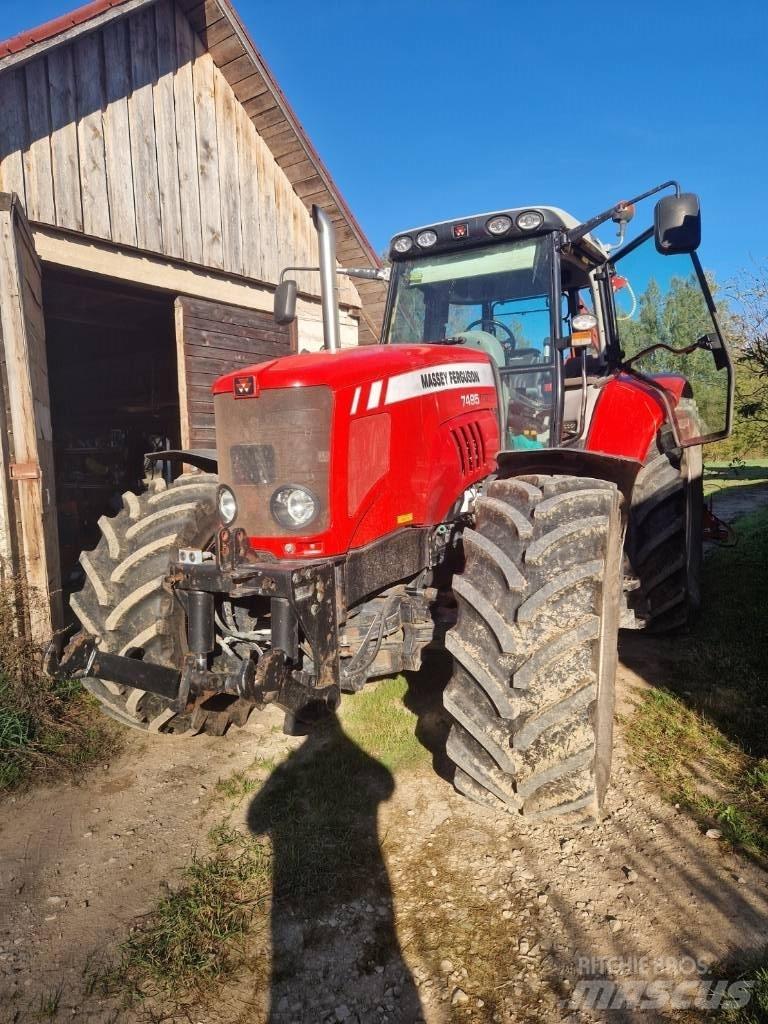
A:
{"x":326,"y":237}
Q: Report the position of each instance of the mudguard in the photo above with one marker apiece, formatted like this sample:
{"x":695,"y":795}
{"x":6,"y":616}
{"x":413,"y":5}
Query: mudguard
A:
{"x":201,"y":458}
{"x":619,"y":469}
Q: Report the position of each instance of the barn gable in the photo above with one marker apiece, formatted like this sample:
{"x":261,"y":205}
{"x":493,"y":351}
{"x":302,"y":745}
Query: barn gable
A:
{"x":155,"y":124}
{"x":154,"y":181}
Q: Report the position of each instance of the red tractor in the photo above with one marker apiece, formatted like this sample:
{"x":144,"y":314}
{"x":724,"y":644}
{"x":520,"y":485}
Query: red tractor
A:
{"x":513,"y":474}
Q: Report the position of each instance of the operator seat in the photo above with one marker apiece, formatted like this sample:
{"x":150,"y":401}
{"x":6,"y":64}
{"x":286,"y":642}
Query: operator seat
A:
{"x":485,"y":342}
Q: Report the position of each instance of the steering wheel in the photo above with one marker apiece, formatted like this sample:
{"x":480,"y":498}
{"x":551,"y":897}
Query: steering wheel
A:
{"x":508,"y":344}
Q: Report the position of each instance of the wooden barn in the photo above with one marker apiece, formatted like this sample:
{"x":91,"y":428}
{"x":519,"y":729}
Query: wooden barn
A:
{"x":153,"y":182}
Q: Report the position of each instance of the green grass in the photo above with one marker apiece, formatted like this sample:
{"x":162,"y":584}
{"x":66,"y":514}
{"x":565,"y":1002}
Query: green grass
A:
{"x":704,"y":735}
{"x":721,"y":477}
{"x":380,"y":723}
{"x":194,"y":936}
{"x":752,"y":969}
{"x":311,"y":837}
{"x":49,"y":1005}
{"x":48,"y":729}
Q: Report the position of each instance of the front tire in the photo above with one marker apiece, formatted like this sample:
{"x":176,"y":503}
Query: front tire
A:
{"x":125,"y":605}
{"x":534,"y":646}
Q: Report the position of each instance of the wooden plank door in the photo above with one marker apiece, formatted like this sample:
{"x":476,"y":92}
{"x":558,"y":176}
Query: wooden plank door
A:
{"x":213,"y":338}
{"x":29,"y":470}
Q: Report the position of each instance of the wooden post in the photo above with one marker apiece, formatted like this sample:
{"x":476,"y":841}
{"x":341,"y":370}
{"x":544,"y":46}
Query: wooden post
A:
{"x":31,"y":471}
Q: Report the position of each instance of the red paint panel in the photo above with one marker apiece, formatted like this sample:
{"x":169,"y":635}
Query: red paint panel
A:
{"x":369,"y":442}
{"x":628,"y":415}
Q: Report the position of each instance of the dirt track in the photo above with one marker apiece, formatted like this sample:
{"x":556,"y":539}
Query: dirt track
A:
{"x":731,"y":503}
{"x":470,"y":917}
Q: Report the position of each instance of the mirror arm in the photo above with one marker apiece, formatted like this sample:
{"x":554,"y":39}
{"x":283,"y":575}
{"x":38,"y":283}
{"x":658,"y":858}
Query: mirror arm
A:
{"x":616,"y":211}
{"x":365,"y":273}
{"x":287,"y":270}
{"x":627,"y":363}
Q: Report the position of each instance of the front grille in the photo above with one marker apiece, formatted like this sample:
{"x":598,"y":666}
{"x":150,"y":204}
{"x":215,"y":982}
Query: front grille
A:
{"x":280,"y":437}
{"x":253,"y":463}
{"x":470,"y":446}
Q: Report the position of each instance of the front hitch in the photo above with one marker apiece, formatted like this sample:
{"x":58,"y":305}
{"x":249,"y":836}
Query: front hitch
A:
{"x":264,"y":680}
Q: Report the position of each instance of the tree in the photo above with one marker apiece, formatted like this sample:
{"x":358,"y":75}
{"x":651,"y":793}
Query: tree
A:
{"x":678,"y":316}
{"x":752,"y":345}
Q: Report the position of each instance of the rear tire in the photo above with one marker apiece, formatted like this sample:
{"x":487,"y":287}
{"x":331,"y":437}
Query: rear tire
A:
{"x":534,"y":646}
{"x":664,"y":540}
{"x":125,"y":605}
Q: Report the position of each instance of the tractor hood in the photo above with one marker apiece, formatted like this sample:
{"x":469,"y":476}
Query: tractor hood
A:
{"x":338,"y":370}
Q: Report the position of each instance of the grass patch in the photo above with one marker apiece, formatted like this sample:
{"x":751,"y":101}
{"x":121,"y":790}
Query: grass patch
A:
{"x":380,"y":723}
{"x":48,"y":727}
{"x":312,"y":839}
{"x":705,"y":735}
{"x":722,"y":477}
{"x":753,"y":970}
{"x":195,"y":935}
{"x":49,"y":1005}
{"x":756,"y":1010}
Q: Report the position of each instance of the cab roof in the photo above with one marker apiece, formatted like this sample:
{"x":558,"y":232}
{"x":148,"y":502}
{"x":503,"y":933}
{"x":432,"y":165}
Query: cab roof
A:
{"x":477,"y":232}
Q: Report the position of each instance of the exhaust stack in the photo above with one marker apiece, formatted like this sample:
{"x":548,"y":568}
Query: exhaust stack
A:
{"x":326,"y":236}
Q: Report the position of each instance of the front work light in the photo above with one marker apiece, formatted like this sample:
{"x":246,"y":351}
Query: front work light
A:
{"x":227,"y":505}
{"x":499,"y":225}
{"x":402,"y":244}
{"x":426,"y":238}
{"x":294,"y":507}
{"x":530,"y":220}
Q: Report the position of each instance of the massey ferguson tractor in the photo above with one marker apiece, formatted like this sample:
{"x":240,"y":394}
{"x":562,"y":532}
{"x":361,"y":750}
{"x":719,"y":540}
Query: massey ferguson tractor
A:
{"x":512,"y":475}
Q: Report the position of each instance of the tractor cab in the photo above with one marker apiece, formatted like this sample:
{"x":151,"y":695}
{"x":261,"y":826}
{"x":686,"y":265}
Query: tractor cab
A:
{"x":559,"y":314}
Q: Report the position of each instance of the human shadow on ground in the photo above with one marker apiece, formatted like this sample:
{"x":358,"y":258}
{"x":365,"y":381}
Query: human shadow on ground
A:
{"x":334,"y":941}
{"x":424,"y":698}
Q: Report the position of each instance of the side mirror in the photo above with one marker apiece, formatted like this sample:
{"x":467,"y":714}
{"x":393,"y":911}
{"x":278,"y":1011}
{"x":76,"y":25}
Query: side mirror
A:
{"x":677,"y":224}
{"x":285,"y":302}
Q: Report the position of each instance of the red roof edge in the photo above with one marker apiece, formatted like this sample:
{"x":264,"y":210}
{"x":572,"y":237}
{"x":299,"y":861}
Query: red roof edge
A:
{"x":55,"y":27}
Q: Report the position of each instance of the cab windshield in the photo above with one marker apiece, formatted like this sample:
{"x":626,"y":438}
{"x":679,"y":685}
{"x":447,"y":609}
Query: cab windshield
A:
{"x":496,"y":298}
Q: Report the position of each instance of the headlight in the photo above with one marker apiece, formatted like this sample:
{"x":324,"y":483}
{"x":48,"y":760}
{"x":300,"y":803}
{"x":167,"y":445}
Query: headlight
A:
{"x":294,"y":507}
{"x":499,"y":225}
{"x":425,"y":239}
{"x":227,"y":506}
{"x":530,"y":220}
{"x":402,"y":244}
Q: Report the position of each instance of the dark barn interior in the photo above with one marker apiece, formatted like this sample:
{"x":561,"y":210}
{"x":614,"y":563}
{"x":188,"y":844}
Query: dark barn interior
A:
{"x":114,"y":397}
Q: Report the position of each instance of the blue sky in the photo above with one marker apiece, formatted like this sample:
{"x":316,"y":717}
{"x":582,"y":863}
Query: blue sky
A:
{"x":428,"y":109}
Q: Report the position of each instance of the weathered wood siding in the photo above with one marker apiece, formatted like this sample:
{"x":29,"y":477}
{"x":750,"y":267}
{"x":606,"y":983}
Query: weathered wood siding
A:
{"x":133,"y":134}
{"x":213,"y":338}
{"x":28,"y":446}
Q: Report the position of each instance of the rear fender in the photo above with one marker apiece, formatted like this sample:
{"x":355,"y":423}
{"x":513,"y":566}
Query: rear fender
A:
{"x":630,"y":412}
{"x":201,"y":458}
{"x":619,"y":470}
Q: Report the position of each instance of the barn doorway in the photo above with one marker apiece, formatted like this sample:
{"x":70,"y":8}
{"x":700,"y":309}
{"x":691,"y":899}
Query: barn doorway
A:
{"x":114,"y":396}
